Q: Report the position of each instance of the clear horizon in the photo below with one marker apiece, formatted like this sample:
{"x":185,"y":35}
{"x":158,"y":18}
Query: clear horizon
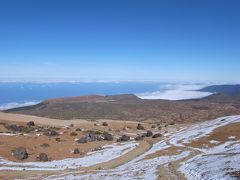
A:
{"x":120,"y":40}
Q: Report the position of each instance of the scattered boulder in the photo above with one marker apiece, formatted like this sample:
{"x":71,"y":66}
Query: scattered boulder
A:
{"x":157,"y":135}
{"x":149,"y":133}
{"x":20,"y":153}
{"x":57,"y":139}
{"x":76,"y":151}
{"x":42,"y":157}
{"x":138,"y":138}
{"x":107,"y":136}
{"x":30,"y":123}
{"x":140,"y":127}
{"x":123,"y":138}
{"x":73,"y":134}
{"x":99,"y":138}
{"x":89,"y":137}
{"x":45,"y":145}
{"x":71,"y":125}
{"x":105,"y":124}
{"x":171,"y":123}
{"x":144,"y":135}
{"x":153,"y":126}
{"x":166,"y":125}
{"x":78,"y":129}
{"x":51,"y":133}
{"x":13,"y":127}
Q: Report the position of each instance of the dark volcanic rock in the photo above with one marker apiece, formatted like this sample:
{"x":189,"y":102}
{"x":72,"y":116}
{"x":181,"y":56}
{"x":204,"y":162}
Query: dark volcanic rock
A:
{"x":45,"y":145}
{"x":108,"y":137}
{"x":153,"y":126}
{"x":171,"y":123}
{"x":123,"y":138}
{"x":157,"y":135}
{"x":13,"y":127}
{"x":140,"y":127}
{"x":58,"y":139}
{"x":76,"y":151}
{"x":105,"y":124}
{"x":99,"y":138}
{"x":90,"y":137}
{"x":73,"y":134}
{"x":30,"y":123}
{"x":20,"y":153}
{"x":149,"y":133}
{"x":87,"y":138}
{"x":138,"y":138}
{"x":78,"y":129}
{"x":51,"y":133}
{"x":42,"y":157}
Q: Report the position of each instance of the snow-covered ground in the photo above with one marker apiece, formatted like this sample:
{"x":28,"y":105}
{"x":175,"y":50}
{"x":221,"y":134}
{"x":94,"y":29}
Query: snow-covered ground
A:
{"x":215,"y":162}
{"x":108,"y":153}
{"x":211,"y":163}
{"x":138,"y":168}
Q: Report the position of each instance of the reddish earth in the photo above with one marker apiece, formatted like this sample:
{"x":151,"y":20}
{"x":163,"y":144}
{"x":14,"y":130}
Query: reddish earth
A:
{"x":60,"y":150}
{"x":220,"y":134}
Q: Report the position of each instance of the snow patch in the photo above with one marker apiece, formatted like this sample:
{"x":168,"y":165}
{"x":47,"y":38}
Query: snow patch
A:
{"x":108,"y":153}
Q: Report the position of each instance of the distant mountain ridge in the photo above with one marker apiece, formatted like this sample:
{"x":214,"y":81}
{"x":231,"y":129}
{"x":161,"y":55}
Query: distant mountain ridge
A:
{"x":230,"y":90}
{"x":131,"y":107}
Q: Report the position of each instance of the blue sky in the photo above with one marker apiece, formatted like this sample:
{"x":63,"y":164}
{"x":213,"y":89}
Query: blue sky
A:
{"x":120,"y":39}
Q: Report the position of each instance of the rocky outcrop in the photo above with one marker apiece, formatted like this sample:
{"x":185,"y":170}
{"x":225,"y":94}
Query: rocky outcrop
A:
{"x":51,"y":133}
{"x":149,"y":134}
{"x":157,"y":135}
{"x":73,"y":134}
{"x":140,"y":127}
{"x":108,"y":137}
{"x":42,"y":157}
{"x":45,"y":145}
{"x":123,"y":138}
{"x":30,"y":123}
{"x":89,"y":137}
{"x":76,"y":151}
{"x":20,"y":153}
{"x":138,"y":138}
{"x":105,"y":124}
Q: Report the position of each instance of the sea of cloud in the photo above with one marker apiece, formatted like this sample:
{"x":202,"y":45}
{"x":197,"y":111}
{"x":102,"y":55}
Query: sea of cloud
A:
{"x":177,"y":92}
{"x":15,"y":105}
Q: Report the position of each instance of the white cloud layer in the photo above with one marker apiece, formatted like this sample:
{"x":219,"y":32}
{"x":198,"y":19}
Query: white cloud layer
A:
{"x":15,"y":105}
{"x":179,"y":92}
